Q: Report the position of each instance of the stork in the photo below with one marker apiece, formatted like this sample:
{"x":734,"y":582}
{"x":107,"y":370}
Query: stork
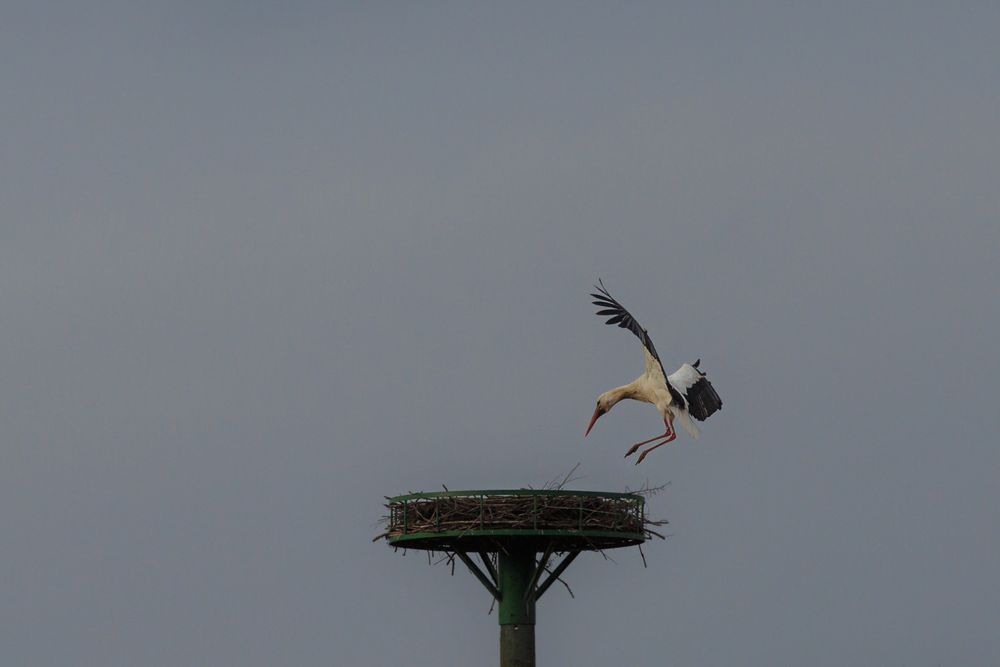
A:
{"x":683,"y":394}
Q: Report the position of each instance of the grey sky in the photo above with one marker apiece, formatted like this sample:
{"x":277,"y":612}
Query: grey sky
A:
{"x":264,"y":263}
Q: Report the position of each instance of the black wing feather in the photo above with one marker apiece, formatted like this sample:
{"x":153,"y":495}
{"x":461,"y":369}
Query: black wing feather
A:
{"x":703,"y":402}
{"x":622,"y":318}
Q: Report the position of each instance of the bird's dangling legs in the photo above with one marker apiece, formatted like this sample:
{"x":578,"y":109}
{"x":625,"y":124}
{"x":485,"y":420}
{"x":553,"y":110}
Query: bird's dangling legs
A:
{"x":666,"y":434}
{"x":673,"y":436}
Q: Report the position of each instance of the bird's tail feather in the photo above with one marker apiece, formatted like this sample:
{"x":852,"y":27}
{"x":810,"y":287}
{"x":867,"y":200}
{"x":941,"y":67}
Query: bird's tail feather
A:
{"x":685,"y":421}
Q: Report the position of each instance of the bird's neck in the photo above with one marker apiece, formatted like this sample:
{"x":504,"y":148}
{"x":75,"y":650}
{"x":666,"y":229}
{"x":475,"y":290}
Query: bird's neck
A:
{"x":619,"y":393}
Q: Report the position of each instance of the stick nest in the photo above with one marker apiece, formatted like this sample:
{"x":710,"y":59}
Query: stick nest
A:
{"x":479,"y":515}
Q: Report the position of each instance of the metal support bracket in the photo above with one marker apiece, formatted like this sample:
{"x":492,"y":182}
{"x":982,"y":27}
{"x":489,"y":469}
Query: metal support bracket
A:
{"x":554,"y":575}
{"x":539,"y":568}
{"x":488,"y":564}
{"x":479,"y":574}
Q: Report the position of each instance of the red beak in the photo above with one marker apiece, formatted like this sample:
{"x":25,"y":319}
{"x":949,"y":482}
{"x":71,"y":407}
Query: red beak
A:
{"x":597,"y":413}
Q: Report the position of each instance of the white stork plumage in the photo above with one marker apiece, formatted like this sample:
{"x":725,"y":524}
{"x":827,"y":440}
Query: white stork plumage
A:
{"x":683,"y":394}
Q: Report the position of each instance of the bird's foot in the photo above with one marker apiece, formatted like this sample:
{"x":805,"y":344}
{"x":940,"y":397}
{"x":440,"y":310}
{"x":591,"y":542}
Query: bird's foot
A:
{"x":670,"y":438}
{"x":643,"y":455}
{"x":633,"y":448}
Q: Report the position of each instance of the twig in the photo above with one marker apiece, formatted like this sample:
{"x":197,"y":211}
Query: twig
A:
{"x":607,"y":557}
{"x":646,"y":490}
{"x":561,"y":581}
{"x":566,"y":480}
{"x":568,"y":589}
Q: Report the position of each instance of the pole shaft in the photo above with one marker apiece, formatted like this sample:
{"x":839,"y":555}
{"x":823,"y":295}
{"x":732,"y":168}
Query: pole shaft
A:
{"x":517,"y":646}
{"x":516,"y":568}
{"x":517,"y":608}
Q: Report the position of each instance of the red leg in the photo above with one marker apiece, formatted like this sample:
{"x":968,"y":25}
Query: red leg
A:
{"x":666,"y":434}
{"x":673,"y":436}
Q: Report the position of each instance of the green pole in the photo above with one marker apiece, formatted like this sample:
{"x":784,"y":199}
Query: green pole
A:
{"x":517,"y":608}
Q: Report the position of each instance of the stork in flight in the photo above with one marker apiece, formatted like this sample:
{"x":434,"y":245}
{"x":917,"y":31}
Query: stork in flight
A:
{"x":683,"y":394}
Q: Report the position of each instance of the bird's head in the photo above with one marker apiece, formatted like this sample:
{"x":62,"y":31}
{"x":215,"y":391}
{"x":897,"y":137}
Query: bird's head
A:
{"x":604,"y":403}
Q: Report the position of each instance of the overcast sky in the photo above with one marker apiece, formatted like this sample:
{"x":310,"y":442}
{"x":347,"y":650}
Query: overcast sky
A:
{"x":263,"y":263}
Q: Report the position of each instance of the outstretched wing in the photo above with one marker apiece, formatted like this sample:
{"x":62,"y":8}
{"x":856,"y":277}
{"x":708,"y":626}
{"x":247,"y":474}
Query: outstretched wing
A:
{"x":622,"y":318}
{"x":610,"y":306}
